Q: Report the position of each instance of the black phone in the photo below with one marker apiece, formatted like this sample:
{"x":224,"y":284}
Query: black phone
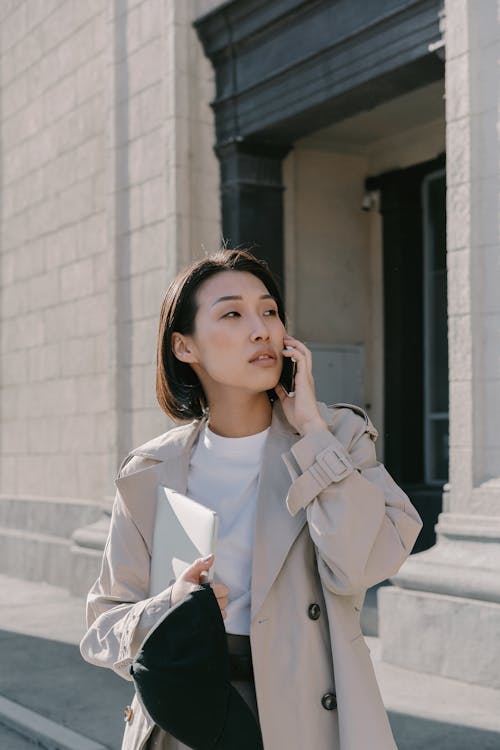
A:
{"x":287,"y":377}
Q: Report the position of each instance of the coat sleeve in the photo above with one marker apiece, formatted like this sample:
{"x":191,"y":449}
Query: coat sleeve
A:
{"x":362,"y":524}
{"x":119,"y":612}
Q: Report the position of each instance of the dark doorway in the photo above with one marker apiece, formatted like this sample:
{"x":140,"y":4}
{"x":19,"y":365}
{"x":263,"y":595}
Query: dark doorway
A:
{"x":413,"y":206}
{"x":286,"y":68}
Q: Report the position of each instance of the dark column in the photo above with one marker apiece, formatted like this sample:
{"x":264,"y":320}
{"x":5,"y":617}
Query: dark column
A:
{"x":252,"y":199}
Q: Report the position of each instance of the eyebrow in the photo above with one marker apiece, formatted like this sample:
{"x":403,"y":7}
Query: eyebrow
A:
{"x":236,"y":296}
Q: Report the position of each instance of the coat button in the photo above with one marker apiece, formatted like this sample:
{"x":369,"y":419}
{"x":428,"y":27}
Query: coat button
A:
{"x":314,"y":611}
{"x":329,"y":701}
{"x":128,"y":712}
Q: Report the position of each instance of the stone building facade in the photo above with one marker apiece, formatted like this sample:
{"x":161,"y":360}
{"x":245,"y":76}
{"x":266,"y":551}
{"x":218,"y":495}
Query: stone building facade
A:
{"x":339,"y":138}
{"x":451,"y":591}
{"x":108,"y":180}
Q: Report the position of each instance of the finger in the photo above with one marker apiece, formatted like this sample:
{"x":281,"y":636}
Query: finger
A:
{"x":292,"y":351}
{"x":302,"y":355}
{"x":303,"y":372}
{"x":202,"y":563}
{"x":291,"y":341}
{"x":194,"y":571}
{"x":295,"y":354}
{"x":299,"y":346}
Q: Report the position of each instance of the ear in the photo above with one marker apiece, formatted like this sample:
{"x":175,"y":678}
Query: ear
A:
{"x":183,"y":348}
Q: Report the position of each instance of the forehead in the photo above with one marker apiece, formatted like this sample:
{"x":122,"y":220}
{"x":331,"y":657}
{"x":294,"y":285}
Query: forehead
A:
{"x":240,"y":283}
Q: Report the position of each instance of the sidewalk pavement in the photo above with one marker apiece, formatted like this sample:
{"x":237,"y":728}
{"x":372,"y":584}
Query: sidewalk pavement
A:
{"x":49,"y":694}
{"x":42,"y":670}
{"x":13,"y":741}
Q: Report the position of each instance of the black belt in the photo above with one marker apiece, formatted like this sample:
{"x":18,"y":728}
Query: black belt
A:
{"x":240,"y":657}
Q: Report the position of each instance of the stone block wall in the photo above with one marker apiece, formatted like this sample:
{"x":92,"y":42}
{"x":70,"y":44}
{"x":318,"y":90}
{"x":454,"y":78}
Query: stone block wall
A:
{"x":164,"y":190}
{"x":54,"y":274}
{"x":109,"y":185}
{"x":138,"y":202}
{"x":451,"y":590}
{"x":473,"y":180}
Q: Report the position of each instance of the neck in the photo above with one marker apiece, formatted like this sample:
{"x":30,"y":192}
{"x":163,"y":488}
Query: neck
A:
{"x":237,"y":417}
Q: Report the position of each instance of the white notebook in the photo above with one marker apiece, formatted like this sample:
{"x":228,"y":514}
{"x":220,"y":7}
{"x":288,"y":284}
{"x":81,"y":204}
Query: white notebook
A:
{"x":184,"y":530}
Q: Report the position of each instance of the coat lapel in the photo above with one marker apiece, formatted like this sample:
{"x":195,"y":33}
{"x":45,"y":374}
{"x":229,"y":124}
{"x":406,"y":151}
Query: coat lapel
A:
{"x":275,"y":529}
{"x":172,"y":451}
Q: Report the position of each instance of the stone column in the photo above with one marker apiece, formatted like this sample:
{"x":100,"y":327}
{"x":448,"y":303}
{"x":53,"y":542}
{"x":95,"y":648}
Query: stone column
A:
{"x":443,"y":614}
{"x":252,"y":199}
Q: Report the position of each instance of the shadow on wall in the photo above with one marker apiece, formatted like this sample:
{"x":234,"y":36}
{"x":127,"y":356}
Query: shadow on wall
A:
{"x":121,"y":236}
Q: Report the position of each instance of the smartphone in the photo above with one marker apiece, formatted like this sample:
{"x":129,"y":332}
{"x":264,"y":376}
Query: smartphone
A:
{"x":287,"y":378}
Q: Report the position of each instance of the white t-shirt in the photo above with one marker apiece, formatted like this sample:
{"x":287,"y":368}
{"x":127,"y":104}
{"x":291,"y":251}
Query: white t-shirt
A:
{"x":223,"y":475}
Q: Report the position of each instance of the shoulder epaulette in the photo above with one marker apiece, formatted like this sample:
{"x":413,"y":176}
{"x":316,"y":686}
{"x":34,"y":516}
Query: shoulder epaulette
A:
{"x":354,"y":407}
{"x":362,"y":413}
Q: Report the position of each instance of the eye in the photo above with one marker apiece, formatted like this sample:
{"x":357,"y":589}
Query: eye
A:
{"x":271,"y":313}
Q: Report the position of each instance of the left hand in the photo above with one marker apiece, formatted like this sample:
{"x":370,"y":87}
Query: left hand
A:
{"x":301,"y":410}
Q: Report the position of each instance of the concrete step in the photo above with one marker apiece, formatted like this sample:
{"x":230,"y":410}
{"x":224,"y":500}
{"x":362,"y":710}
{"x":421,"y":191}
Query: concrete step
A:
{"x":427,"y":711}
{"x":46,"y":733}
{"x":35,"y":540}
{"x":49,"y":559}
{"x":35,"y":557}
{"x":46,"y":515}
{"x":11,"y":740}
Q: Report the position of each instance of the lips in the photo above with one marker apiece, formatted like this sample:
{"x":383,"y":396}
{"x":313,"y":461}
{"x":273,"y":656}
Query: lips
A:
{"x":267,"y":354}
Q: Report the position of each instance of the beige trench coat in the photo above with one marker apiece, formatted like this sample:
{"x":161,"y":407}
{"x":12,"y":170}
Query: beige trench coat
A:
{"x":330,"y":522}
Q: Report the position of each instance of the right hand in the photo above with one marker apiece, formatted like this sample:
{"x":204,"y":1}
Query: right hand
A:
{"x":193,"y":576}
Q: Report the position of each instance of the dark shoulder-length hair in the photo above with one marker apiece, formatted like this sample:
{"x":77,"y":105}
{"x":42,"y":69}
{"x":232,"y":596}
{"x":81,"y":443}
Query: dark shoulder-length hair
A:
{"x":178,"y":388}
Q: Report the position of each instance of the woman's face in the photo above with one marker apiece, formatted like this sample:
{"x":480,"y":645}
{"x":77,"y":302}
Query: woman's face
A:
{"x":231,"y":333}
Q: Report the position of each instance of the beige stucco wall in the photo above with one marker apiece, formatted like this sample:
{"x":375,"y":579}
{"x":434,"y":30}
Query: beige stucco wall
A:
{"x":331,"y":238}
{"x":408,"y":147}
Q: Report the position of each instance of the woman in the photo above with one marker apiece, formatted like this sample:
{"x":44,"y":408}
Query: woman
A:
{"x":309,"y":519}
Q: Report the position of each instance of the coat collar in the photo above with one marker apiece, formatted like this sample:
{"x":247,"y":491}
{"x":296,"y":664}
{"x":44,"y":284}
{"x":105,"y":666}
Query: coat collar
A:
{"x":276,"y":529}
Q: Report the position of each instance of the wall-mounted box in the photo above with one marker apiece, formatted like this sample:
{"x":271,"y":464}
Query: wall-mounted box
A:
{"x":338,"y":371}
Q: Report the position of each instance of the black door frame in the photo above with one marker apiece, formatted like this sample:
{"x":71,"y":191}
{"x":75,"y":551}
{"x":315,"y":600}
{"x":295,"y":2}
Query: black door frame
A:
{"x":401,"y":209}
{"x":285,"y":68}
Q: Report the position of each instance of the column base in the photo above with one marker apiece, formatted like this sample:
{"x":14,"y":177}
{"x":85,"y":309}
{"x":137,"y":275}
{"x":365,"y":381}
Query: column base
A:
{"x":442,"y":616}
{"x":441,"y":635}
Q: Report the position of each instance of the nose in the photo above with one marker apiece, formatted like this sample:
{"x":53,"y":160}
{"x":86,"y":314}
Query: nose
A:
{"x":260,"y":330}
